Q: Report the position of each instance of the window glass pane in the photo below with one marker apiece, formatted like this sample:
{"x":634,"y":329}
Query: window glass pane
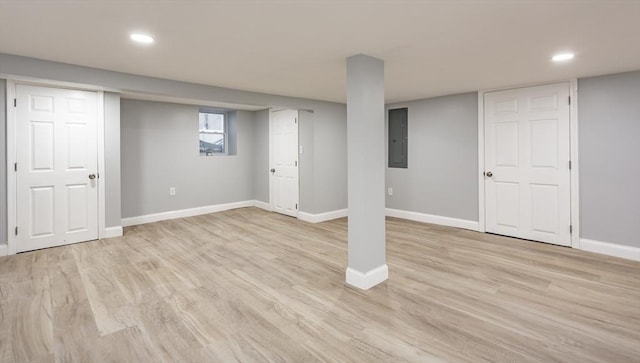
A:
{"x":211,"y":143}
{"x":212,"y":122}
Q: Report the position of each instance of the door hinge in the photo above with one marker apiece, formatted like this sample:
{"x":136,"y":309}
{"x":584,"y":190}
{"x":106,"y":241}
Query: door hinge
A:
{"x":295,"y":120}
{"x":296,"y":206}
{"x":570,"y":229}
{"x":569,"y":164}
{"x":296,"y":162}
{"x":16,"y":230}
{"x":569,"y":99}
{"x":15,"y":166}
{"x":15,"y":102}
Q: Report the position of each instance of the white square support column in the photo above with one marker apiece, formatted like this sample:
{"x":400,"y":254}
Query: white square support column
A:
{"x":366,"y":172}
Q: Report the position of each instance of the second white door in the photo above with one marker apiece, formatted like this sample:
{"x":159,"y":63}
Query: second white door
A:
{"x":283,"y":145}
{"x":527,"y":163}
{"x":56,"y":152}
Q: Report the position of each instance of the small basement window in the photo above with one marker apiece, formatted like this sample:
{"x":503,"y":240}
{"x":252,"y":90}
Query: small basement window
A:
{"x":213,"y":133}
{"x":398,"y":138}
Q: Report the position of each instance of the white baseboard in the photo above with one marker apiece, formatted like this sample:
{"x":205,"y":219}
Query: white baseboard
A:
{"x":365,"y":281}
{"x":111,"y":232}
{"x":611,"y":249}
{"x":322,"y":217}
{"x":413,"y":216}
{"x":150,"y":218}
{"x":430,"y":218}
{"x":3,"y":250}
{"x":262,"y":205}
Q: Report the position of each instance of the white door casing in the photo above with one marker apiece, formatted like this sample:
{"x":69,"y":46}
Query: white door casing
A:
{"x":527,"y":161}
{"x":57,"y":165}
{"x":283,"y":155}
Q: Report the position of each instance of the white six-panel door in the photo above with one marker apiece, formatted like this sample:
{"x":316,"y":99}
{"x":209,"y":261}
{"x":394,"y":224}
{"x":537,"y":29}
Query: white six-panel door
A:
{"x":527,"y":153}
{"x":56,"y":153}
{"x":283,"y":144}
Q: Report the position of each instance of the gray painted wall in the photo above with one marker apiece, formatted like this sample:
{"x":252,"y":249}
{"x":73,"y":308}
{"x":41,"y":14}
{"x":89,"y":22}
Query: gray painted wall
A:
{"x":306,"y":170}
{"x":261,"y":156}
{"x":112,"y":159}
{"x":442,"y":174}
{"x":3,"y":162}
{"x":609,"y":151}
{"x":329,"y":161}
{"x":604,"y":101}
{"x":123,"y":82}
{"x":160,"y":150}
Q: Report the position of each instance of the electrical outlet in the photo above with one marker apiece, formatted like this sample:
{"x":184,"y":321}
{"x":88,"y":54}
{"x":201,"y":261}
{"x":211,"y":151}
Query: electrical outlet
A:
{"x":390,"y":191}
{"x":172,"y":191}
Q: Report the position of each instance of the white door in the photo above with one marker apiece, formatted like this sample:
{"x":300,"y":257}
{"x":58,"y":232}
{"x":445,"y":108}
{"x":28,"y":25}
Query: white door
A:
{"x":283,"y":145}
{"x":527,"y":163}
{"x":56,"y":153}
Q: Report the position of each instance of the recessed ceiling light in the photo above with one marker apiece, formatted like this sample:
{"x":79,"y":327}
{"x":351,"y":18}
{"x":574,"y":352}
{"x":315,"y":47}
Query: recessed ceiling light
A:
{"x":561,"y":57}
{"x":141,"y":38}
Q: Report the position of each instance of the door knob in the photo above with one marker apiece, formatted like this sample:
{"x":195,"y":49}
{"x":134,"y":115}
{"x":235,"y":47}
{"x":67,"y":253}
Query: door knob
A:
{"x":489,"y":174}
{"x":273,"y":170}
{"x":92,"y":176}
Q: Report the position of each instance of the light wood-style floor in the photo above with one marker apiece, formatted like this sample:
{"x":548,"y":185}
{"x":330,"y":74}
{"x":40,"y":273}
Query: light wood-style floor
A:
{"x":251,"y":286}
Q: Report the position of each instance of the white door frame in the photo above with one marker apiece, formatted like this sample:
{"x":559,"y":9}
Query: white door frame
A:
{"x":11,"y":153}
{"x":271,"y":111}
{"x":573,"y":141}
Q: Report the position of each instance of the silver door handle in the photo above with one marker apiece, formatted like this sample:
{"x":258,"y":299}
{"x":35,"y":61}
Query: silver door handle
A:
{"x":92,"y":176}
{"x":489,"y":174}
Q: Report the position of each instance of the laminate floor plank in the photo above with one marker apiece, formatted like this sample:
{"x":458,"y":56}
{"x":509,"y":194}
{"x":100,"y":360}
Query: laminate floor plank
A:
{"x":250,"y":286}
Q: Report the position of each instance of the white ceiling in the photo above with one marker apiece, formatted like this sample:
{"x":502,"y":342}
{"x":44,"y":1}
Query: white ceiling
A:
{"x":298,"y":48}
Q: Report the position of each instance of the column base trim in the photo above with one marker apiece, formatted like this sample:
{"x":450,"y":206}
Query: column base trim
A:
{"x":322,"y":217}
{"x":365,"y":281}
{"x":111,"y":232}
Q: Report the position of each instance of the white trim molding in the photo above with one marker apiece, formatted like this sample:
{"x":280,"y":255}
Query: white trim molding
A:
{"x":433,"y":219}
{"x":102,"y":208}
{"x":367,"y":280}
{"x":262,"y":205}
{"x":573,"y":142}
{"x":183,"y":213}
{"x":322,"y":217}
{"x":272,"y":200}
{"x":3,"y":250}
{"x":481,"y":210}
{"x":12,"y":186}
{"x":575,"y":164}
{"x":611,"y":249}
{"x":110,"y":232}
{"x":11,"y":173}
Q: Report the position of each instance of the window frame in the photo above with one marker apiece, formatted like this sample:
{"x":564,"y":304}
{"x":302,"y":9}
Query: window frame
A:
{"x":224,"y":133}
